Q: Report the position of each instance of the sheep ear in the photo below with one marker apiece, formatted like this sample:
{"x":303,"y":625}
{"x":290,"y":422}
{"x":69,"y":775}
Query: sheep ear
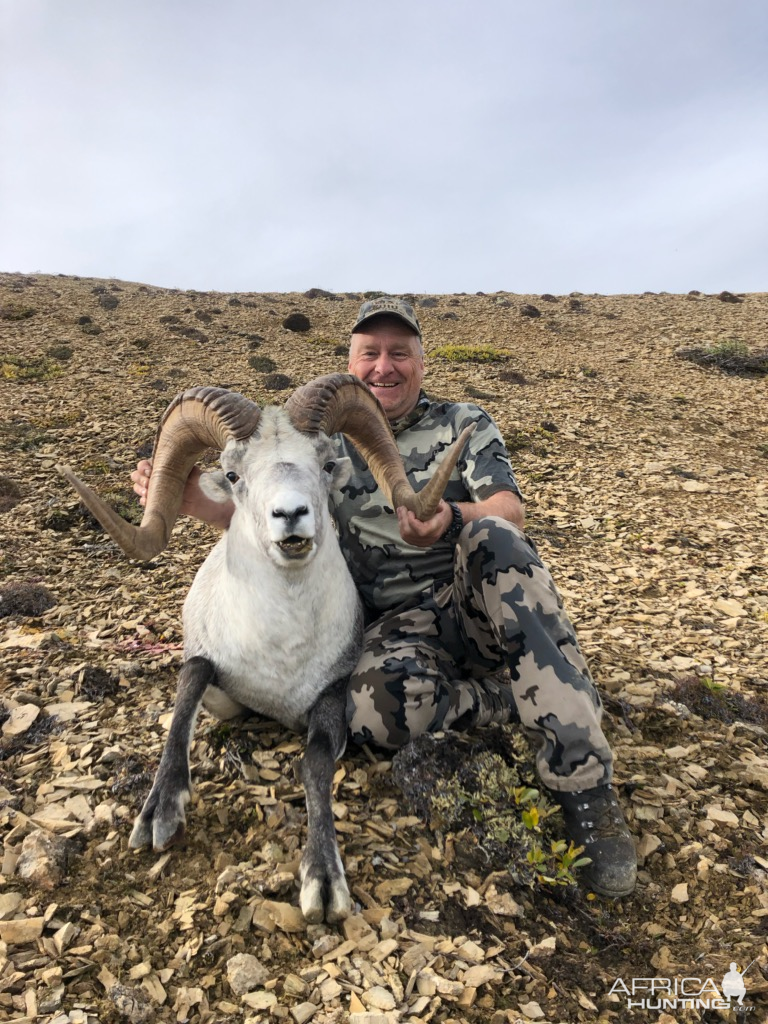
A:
{"x":342,"y":471}
{"x":215,"y":486}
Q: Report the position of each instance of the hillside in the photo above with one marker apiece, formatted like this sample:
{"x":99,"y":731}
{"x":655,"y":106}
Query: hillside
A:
{"x":645,"y":482}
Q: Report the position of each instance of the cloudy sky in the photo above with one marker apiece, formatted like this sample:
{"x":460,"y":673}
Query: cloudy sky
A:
{"x":416,"y":145}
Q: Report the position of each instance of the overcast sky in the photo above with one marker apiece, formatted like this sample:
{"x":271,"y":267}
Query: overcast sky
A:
{"x":424,"y":146}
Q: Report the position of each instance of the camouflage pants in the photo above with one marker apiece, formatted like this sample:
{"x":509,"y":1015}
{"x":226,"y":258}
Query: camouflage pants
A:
{"x":431,"y":667}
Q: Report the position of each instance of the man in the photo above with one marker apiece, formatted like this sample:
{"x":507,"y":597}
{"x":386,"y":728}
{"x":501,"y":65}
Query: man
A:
{"x":452,"y":601}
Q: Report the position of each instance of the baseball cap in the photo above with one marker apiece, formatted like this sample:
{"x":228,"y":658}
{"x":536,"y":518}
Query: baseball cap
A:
{"x":393,"y":307}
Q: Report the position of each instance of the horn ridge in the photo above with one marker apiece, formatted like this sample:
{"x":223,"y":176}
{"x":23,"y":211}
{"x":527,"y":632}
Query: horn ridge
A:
{"x":340,"y":402}
{"x":237,"y":415}
{"x":196,"y":419}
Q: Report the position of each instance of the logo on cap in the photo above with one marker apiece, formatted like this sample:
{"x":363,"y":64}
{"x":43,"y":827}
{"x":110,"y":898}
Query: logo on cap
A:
{"x":387,"y":304}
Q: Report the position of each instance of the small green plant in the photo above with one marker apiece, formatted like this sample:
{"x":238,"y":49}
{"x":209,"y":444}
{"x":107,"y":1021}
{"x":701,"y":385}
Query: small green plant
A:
{"x":711,"y":685}
{"x":470,"y":353}
{"x":729,"y":347}
{"x":556,"y":866}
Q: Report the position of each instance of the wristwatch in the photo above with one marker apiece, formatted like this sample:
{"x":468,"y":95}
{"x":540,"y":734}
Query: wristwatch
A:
{"x":456,"y":524}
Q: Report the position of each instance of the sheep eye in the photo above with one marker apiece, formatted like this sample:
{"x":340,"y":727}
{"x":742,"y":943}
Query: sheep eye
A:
{"x":329,"y":467}
{"x":232,"y":477}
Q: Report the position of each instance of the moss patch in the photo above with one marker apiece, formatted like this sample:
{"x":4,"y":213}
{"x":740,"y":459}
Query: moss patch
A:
{"x":19,"y":368}
{"x":470,"y":354}
{"x":262,"y":363}
{"x":712,"y":700}
{"x":10,"y":493}
{"x":29,"y":599}
{"x":16,"y":312}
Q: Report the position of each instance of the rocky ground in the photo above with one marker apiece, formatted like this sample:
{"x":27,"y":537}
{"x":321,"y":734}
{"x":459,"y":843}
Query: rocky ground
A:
{"x":645,"y":479}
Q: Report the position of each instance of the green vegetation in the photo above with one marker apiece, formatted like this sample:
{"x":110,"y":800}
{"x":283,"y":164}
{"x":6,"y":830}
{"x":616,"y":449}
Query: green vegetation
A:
{"x":729,"y":347}
{"x":21,"y":436}
{"x":470,"y":354}
{"x":15,"y":312}
{"x":731,"y":355}
{"x":537,"y":439}
{"x":20,"y":368}
{"x":489,"y":799}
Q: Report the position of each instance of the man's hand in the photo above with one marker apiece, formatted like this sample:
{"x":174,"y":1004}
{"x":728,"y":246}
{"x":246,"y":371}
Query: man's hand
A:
{"x":140,"y":477}
{"x":424,"y":534}
{"x":193,"y":503}
{"x":504,"y":504}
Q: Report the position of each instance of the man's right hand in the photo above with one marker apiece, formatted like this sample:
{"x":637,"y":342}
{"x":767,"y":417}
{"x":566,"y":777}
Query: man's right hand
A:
{"x":193,"y":503}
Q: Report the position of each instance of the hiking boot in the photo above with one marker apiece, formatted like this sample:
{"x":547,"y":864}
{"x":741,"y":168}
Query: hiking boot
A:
{"x":594,"y":820}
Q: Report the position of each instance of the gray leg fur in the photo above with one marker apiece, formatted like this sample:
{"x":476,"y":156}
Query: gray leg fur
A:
{"x":324,"y":892}
{"x":162,"y":819}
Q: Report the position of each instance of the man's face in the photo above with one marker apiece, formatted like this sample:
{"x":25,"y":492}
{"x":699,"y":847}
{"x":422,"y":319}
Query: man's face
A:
{"x":388,"y":358}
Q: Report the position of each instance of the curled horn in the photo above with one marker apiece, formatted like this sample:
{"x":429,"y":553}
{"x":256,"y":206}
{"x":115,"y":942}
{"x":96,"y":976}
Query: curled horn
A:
{"x":342,"y":403}
{"x":196,"y":419}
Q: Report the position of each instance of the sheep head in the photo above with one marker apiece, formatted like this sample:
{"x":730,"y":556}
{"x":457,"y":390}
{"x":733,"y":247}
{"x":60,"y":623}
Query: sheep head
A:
{"x":280,"y":479}
{"x":205,"y":417}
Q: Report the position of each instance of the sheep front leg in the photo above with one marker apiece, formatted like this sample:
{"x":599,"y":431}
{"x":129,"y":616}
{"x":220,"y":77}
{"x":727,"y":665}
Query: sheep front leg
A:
{"x":324,"y":892}
{"x":162,"y":819}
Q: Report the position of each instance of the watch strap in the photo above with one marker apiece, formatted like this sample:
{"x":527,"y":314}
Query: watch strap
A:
{"x":456,"y":524}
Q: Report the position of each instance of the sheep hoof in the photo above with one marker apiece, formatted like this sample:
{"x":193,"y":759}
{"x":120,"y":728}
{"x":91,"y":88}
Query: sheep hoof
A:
{"x":161,"y":824}
{"x":141,"y":835}
{"x":324,"y":897}
{"x":160,"y":835}
{"x":340,"y":904}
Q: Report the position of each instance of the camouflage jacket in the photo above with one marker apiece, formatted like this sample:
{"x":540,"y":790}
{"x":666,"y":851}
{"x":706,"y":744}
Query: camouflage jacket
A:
{"x":390,"y":573}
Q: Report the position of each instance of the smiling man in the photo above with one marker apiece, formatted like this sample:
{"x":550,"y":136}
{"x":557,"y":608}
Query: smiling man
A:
{"x":453,"y":602}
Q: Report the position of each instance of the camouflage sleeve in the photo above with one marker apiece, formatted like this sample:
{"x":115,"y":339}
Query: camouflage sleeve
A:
{"x":485,"y":466}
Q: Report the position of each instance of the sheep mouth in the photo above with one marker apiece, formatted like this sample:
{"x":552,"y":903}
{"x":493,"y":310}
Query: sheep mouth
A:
{"x":295,"y":547}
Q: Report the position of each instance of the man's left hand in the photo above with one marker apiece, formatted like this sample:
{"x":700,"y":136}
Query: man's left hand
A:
{"x":424,"y":534}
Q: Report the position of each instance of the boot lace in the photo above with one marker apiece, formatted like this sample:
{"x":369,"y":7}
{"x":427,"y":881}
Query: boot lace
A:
{"x":600,"y":815}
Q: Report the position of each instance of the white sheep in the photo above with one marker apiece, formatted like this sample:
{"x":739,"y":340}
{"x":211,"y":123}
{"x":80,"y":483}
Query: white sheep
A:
{"x":273,"y":622}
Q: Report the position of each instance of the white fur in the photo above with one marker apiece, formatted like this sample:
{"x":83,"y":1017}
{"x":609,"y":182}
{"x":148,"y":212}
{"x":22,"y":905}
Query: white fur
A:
{"x":275,"y":627}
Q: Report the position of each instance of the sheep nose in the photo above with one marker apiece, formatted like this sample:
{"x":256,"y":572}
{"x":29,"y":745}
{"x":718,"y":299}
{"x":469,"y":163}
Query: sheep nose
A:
{"x":290,"y":515}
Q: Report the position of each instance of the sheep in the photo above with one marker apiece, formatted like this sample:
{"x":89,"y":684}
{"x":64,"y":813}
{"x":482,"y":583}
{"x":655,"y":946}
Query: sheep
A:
{"x":273,"y":622}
